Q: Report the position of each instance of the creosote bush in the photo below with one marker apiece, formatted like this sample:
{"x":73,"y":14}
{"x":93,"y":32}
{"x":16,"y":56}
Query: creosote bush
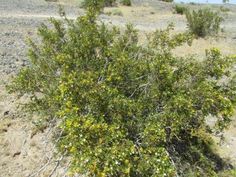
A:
{"x":127,"y":109}
{"x":224,"y":9}
{"x":167,"y":0}
{"x":179,"y":9}
{"x":126,"y":2}
{"x":104,"y":3}
{"x":99,"y":4}
{"x":203,"y":22}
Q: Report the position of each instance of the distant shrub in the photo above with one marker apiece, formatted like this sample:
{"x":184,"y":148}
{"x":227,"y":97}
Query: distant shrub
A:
{"x":98,"y":3}
{"x":224,"y":9}
{"x":167,"y":0}
{"x":179,"y":9}
{"x":104,"y":3}
{"x":225,"y":1}
{"x":109,"y":3}
{"x":117,"y":12}
{"x":203,"y":22}
{"x":109,"y":13}
{"x":126,"y":2}
{"x":193,"y":3}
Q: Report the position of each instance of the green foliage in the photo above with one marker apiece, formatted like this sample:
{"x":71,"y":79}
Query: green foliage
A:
{"x":193,"y":3}
{"x":179,"y":9}
{"x":109,"y":3}
{"x":126,"y":2}
{"x":98,"y":4}
{"x":51,"y":0}
{"x":167,"y":0}
{"x":104,"y":3}
{"x":225,"y":1}
{"x":203,"y":22}
{"x":127,"y":109}
{"x":224,"y":9}
{"x":117,"y":12}
{"x":228,"y":173}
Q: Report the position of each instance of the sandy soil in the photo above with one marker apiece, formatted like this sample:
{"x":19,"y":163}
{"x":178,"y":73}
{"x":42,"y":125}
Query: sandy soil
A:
{"x":28,"y":151}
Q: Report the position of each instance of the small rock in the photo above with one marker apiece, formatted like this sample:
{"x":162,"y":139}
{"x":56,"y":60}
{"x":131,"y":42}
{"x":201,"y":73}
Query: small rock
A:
{"x":4,"y":164}
{"x":6,"y":113}
{"x":3,"y":130}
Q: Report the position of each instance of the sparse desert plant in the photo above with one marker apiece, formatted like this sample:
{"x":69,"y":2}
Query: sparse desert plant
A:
{"x":117,"y":12}
{"x":193,"y":3}
{"x":109,"y":3}
{"x":109,"y":13}
{"x":126,"y":2}
{"x":167,"y":0}
{"x":98,"y":3}
{"x":104,"y":3}
{"x":224,"y":9}
{"x":126,"y":109}
{"x":228,"y":173}
{"x":225,"y":1}
{"x":203,"y":22}
{"x":179,"y":9}
{"x":51,"y":0}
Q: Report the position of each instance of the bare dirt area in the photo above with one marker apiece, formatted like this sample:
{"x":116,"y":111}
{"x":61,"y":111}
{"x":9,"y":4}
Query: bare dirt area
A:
{"x":26,"y":151}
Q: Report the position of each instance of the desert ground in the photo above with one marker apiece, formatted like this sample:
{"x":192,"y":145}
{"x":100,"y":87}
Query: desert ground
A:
{"x":26,"y":147}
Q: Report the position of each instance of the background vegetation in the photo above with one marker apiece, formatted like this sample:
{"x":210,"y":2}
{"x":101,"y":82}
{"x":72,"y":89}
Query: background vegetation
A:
{"x":203,"y":22}
{"x":179,"y":9}
{"x":104,"y":3}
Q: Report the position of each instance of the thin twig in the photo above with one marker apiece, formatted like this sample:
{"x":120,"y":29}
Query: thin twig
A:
{"x":57,"y":164}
